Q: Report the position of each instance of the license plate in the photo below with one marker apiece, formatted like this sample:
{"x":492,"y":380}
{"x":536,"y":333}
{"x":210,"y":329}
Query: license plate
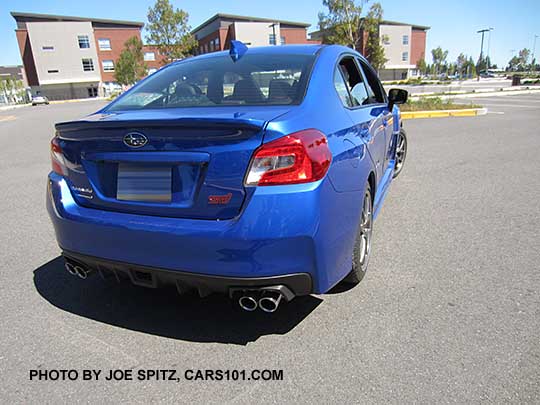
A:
{"x":144,"y":183}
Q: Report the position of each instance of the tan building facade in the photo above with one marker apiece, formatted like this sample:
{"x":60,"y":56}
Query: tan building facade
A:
{"x":73,"y":57}
{"x":216,"y":33}
{"x":404,"y":46}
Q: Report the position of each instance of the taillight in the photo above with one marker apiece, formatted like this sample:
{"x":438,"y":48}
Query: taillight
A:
{"x":57,"y":157}
{"x":301,"y":157}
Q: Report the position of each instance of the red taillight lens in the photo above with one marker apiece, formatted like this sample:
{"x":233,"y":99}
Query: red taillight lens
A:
{"x":57,"y":157}
{"x":301,"y":157}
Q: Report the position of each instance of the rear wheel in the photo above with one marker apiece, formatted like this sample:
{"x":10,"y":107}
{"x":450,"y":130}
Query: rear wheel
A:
{"x":401,"y":152}
{"x":362,"y":245}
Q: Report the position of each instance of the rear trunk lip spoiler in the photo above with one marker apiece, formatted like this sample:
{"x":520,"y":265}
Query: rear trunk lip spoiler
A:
{"x":216,"y":123}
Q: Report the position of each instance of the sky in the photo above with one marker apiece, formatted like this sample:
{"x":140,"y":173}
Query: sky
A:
{"x":453,"y":22}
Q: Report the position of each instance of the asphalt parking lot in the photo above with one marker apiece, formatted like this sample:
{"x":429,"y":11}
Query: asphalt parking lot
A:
{"x":448,"y":312}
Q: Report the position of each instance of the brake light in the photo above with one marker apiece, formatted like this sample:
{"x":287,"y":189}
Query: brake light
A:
{"x":301,"y":157}
{"x":57,"y":157}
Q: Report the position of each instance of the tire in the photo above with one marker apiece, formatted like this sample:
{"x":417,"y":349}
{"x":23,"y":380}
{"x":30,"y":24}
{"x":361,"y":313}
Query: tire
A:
{"x":362,"y":244}
{"x":401,"y":152}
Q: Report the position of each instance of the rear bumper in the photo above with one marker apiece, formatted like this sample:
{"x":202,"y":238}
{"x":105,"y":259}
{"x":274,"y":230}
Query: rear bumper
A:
{"x":299,"y":284}
{"x":276,"y":240}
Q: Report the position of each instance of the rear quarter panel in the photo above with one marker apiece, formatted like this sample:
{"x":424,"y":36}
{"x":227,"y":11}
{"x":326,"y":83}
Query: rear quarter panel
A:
{"x":340,"y":204}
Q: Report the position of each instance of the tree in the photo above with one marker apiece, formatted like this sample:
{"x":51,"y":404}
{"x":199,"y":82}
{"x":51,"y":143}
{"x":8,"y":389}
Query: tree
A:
{"x":169,"y":31}
{"x":439,"y":58}
{"x":519,"y":63}
{"x":130,"y":66}
{"x":524,"y":56}
{"x":451,"y":69}
{"x":422,"y":66}
{"x":342,"y":24}
{"x":374,"y":51}
{"x":471,"y":68}
{"x":461,"y":64}
{"x":482,"y":65}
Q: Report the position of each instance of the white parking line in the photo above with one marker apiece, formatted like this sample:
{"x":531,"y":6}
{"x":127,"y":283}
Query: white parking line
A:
{"x":510,"y":105}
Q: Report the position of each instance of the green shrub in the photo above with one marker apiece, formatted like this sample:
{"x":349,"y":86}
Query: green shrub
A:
{"x":434,"y":103}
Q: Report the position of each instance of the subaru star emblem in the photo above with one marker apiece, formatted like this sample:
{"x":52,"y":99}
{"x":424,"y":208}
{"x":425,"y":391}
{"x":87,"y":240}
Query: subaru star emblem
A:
{"x":135,"y":140}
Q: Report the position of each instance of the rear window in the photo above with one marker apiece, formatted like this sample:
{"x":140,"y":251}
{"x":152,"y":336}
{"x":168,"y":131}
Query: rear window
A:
{"x":218,"y":81}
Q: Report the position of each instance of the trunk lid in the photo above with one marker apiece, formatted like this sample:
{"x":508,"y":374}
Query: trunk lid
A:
{"x":192,"y":164}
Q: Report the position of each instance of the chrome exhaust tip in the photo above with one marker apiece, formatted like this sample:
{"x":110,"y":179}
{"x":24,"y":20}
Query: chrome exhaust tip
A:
{"x":82,"y":272}
{"x":270,"y":301}
{"x":70,"y":268}
{"x":248,"y":302}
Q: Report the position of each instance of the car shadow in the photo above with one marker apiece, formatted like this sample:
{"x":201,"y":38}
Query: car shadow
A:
{"x":162,"y":311}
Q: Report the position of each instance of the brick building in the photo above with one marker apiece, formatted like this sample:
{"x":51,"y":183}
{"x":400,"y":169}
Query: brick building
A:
{"x":216,"y":33}
{"x":74,"y":57}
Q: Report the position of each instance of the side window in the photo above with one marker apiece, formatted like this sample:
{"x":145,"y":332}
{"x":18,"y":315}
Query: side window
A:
{"x":375,"y":89}
{"x":354,"y":81}
{"x":341,"y":89}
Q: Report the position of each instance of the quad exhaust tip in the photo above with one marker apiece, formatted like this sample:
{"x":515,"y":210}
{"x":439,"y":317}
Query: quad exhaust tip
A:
{"x":248,"y":302}
{"x":71,"y":269}
{"x":77,"y":270}
{"x":265,"y":298}
{"x":82,"y":272}
{"x":270,"y":300}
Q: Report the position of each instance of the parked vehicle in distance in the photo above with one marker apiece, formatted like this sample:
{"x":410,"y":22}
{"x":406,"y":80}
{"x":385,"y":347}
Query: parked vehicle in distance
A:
{"x":37,"y":100}
{"x":257,"y":173}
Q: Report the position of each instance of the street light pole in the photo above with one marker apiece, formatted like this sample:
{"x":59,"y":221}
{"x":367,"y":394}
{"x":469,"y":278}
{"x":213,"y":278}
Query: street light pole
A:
{"x":534,"y":49}
{"x":481,"y":48}
{"x":489,"y":42}
{"x":273,"y":26}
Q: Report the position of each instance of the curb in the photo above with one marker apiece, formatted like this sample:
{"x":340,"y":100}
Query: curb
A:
{"x":467,"y":112}
{"x":76,"y":100}
{"x":477,"y":94}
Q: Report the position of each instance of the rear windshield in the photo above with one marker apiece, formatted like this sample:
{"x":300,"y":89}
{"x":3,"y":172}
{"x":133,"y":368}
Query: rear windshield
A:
{"x":218,"y":81}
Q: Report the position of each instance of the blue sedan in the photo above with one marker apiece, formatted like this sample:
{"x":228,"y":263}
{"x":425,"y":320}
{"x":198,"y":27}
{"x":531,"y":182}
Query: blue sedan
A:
{"x":255,"y":172}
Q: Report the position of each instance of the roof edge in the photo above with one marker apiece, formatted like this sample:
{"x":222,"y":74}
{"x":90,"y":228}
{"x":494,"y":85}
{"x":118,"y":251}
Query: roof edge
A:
{"x":17,"y":14}
{"x":247,"y":18}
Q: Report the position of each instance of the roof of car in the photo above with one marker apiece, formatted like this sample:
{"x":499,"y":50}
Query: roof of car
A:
{"x":270,"y":50}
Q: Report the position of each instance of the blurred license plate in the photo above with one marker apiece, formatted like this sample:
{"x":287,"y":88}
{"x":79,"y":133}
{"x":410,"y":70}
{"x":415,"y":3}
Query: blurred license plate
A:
{"x":144,"y":183}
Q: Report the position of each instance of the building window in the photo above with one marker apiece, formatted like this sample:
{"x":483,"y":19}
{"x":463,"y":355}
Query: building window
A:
{"x":405,"y":40}
{"x":84,"y":42}
{"x":47,"y":48}
{"x":88,"y":65}
{"x":108,"y":65}
{"x":272,"y":39}
{"x":211,"y":45}
{"x":104,"y":44}
{"x":149,"y":56}
{"x":216,"y":44}
{"x":385,"y":40}
{"x":405,"y":57}
{"x":52,"y":71}
{"x":282,"y":40}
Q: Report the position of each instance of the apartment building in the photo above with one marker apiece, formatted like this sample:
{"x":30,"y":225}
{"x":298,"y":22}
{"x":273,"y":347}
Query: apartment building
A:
{"x":67,"y":57}
{"x":404,"y":45}
{"x":12,"y":85}
{"x":216,"y":33}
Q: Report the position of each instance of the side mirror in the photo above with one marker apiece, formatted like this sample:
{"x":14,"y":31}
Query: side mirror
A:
{"x":397,"y":96}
